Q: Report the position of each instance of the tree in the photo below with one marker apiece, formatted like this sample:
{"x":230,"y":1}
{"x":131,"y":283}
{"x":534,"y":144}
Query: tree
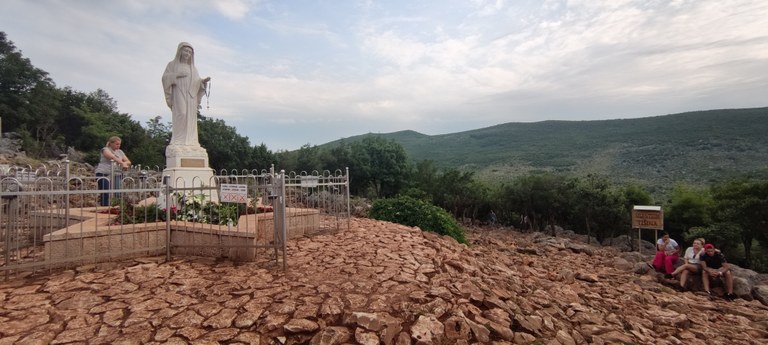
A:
{"x":425,"y":176}
{"x":457,"y":192}
{"x":600,"y":207}
{"x":380,"y":167}
{"x":262,"y":158}
{"x":724,"y":235}
{"x":100,"y":120}
{"x":19,"y":81}
{"x":635,"y":195}
{"x":308,"y":159}
{"x":43,"y":129}
{"x":29,"y":101}
{"x":423,"y":181}
{"x":72,"y":127}
{"x":150,"y":152}
{"x":688,"y":207}
{"x":540,"y":197}
{"x":158,"y":130}
{"x":336,"y":157}
{"x":744,"y":203}
{"x":226,"y":149}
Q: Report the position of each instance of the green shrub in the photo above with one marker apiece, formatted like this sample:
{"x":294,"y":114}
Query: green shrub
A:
{"x":129,"y":214}
{"x":412,"y":212}
{"x":722,"y":235}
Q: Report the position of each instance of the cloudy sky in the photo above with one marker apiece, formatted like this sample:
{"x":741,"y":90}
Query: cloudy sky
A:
{"x":289,"y":73}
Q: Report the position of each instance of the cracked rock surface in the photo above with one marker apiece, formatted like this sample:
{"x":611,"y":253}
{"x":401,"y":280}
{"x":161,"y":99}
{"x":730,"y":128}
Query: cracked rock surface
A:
{"x":376,"y":283}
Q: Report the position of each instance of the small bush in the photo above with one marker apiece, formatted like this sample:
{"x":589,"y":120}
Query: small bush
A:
{"x":359,"y":207}
{"x":412,"y":212}
{"x":128,"y":214}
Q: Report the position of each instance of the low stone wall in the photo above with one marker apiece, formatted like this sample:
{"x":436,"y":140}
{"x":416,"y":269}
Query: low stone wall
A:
{"x":76,"y":243}
{"x":45,"y":222}
{"x":93,"y":240}
{"x":197,"y":241}
{"x":301,"y":222}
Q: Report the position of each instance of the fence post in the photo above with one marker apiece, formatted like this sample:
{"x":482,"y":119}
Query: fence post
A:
{"x":167,"y":183}
{"x":279,"y":213}
{"x":349,"y":210}
{"x":13,"y":209}
{"x":66,"y":196}
{"x":111,"y":178}
{"x":278,"y":209}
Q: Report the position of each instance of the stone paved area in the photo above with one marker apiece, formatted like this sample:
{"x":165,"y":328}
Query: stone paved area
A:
{"x":376,"y":283}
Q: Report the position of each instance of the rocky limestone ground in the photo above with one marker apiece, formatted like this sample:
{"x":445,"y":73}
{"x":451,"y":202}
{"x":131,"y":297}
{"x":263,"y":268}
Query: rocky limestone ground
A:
{"x":376,"y":283}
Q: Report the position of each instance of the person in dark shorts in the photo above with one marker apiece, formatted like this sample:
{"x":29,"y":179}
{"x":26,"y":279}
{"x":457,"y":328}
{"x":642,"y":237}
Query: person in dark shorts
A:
{"x":692,"y":257}
{"x":714,"y":266}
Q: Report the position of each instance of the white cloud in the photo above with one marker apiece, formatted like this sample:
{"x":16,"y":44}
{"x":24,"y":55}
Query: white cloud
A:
{"x":488,"y":8}
{"x":234,"y":9}
{"x":398,"y":50}
{"x":428,"y":65}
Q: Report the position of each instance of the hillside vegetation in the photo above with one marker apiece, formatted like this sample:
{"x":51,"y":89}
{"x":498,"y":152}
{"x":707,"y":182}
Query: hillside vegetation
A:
{"x":697,"y":147}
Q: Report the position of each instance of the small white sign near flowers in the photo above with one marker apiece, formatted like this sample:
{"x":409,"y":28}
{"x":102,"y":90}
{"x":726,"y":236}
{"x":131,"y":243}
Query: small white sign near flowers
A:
{"x":233,"y":193}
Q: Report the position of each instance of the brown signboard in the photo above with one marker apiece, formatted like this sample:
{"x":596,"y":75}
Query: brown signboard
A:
{"x":647,"y":217}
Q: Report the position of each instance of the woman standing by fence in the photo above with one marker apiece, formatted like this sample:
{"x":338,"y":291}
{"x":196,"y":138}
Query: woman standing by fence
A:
{"x":111,"y":152}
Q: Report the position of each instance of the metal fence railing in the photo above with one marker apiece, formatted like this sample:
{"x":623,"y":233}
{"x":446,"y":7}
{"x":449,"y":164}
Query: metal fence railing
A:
{"x":50,"y":217}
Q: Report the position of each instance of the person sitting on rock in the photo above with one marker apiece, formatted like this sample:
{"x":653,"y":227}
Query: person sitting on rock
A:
{"x":692,"y":264}
{"x":714,"y":266}
{"x":667,"y":253}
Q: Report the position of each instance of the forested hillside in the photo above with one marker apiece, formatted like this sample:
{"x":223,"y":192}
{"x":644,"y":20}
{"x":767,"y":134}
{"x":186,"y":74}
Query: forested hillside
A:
{"x":697,"y":147}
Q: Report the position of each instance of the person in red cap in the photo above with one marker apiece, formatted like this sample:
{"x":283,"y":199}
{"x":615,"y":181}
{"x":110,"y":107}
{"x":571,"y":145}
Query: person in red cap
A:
{"x":715,"y":267}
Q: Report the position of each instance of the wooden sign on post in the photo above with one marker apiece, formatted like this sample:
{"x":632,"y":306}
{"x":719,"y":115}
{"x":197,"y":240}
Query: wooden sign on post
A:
{"x":647,"y":217}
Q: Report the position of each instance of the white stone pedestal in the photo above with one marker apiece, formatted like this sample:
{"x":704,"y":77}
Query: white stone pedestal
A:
{"x":187,"y":166}
{"x":190,"y":177}
{"x":186,"y":156}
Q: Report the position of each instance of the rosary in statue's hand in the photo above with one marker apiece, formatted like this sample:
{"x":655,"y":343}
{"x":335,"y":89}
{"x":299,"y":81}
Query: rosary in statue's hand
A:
{"x":207,"y":81}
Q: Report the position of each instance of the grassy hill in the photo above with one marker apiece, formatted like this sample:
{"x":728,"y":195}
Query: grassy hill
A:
{"x":697,"y":147}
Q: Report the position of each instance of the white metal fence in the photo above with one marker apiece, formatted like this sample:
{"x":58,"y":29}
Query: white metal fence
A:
{"x":50,"y":217}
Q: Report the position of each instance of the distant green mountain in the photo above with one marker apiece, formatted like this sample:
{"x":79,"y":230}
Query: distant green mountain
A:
{"x":698,"y":147}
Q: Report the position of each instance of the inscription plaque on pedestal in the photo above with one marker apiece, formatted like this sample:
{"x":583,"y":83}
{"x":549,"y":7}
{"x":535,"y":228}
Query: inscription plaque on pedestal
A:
{"x":192,"y":163}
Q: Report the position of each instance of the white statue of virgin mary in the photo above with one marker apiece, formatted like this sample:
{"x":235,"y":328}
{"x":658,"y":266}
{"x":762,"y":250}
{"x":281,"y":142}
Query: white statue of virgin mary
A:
{"x":184,"y":90}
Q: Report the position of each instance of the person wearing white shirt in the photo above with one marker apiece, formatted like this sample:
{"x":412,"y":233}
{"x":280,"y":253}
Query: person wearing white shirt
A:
{"x":692,"y":264}
{"x":667,"y":253}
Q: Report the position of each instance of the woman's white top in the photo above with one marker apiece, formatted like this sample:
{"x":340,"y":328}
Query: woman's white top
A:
{"x":693,"y":258}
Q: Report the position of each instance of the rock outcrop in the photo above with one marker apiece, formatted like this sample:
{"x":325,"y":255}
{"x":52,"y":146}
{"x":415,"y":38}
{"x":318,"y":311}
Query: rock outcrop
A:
{"x":378,"y":283}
